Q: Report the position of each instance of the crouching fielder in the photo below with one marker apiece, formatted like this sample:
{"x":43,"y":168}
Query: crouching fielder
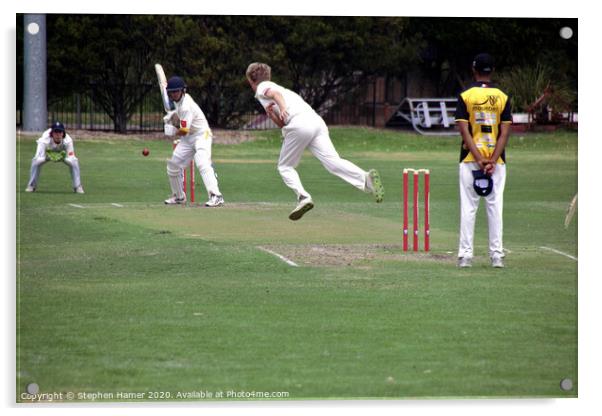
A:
{"x":57,"y":146}
{"x":188,"y":122}
{"x":303,"y":128}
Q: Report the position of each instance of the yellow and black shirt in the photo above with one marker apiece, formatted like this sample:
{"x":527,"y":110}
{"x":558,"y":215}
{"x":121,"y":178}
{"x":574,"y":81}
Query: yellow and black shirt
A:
{"x":484,"y":106}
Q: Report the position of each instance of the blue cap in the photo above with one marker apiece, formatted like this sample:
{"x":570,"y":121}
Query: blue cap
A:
{"x":58,"y":126}
{"x":175,"y":84}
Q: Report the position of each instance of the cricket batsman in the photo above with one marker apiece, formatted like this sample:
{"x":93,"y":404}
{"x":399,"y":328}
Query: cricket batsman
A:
{"x":189,"y":124}
{"x":57,"y":146}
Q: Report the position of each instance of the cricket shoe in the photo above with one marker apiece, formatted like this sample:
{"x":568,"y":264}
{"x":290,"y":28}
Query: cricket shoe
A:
{"x":304,"y":205}
{"x":30,"y":189}
{"x":497,"y":262}
{"x":79,"y":190}
{"x":215,"y":201}
{"x":464,"y":262}
{"x":375,"y":185}
{"x":175,"y":201}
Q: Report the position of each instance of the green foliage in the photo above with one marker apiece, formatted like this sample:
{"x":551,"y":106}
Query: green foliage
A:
{"x":527,"y":83}
{"x":330,"y":56}
{"x":322,"y":58}
{"x":212,"y":54}
{"x":452,"y":43}
{"x":319,"y":57}
{"x":108,"y":56}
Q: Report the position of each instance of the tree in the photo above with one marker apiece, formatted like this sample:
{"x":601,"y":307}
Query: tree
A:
{"x":451,"y":44}
{"x":108,"y":53}
{"x":321,"y":58}
{"x":212,"y":54}
{"x":325,"y":57}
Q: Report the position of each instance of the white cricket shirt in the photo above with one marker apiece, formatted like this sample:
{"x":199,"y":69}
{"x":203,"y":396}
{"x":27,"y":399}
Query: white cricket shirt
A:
{"x":294,"y":103}
{"x":49,"y":145}
{"x":191,"y":116}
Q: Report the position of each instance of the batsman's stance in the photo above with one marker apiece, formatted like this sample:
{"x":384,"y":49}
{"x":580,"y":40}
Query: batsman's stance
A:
{"x":57,"y":146}
{"x":188,"y":122}
{"x":303,"y":128}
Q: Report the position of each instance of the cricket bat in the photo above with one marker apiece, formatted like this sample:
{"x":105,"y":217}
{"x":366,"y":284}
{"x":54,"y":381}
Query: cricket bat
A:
{"x":162,"y":80}
{"x":570,"y":212}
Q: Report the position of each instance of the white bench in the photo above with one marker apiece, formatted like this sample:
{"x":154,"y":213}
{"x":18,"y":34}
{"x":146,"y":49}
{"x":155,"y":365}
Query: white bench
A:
{"x":428,"y":116}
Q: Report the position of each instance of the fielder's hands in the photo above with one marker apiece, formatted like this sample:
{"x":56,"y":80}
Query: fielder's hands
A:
{"x":487,"y":166}
{"x":490,"y":168}
{"x":56,"y":156}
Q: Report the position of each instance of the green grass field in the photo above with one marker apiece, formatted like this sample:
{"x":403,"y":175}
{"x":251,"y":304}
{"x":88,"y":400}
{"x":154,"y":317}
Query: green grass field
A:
{"x":125,"y":294}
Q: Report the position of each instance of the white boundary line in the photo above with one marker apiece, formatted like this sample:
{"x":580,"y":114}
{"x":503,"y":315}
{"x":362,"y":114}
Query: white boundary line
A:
{"x":76,"y":206}
{"x":284,"y":259}
{"x":117,"y":205}
{"x":559,"y":252}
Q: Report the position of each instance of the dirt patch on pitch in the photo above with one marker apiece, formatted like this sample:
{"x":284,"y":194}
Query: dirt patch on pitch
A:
{"x":352,"y":255}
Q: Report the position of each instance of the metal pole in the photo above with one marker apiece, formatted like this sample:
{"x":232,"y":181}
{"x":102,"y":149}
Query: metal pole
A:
{"x":35,"y":110}
{"x":78,"y":111}
{"x":374,"y":104}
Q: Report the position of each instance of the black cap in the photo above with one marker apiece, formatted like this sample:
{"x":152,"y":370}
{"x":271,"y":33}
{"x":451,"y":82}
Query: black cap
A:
{"x":483,"y":63}
{"x":58,"y":126}
{"x":482,"y":183}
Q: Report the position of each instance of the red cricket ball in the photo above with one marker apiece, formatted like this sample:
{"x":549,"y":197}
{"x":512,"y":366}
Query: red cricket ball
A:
{"x":145,"y":152}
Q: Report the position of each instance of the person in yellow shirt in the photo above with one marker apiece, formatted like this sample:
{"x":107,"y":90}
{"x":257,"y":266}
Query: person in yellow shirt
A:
{"x":483,"y":116}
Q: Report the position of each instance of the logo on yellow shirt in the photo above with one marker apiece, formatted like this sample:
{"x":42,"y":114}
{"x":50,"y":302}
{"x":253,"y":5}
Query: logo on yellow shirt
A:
{"x":491,"y":99}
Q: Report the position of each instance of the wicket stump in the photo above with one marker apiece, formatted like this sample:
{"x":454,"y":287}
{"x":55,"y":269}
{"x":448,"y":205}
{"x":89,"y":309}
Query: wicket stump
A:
{"x":415,"y":222}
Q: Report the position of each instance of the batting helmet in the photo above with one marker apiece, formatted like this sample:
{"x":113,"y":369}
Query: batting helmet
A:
{"x":175,"y":84}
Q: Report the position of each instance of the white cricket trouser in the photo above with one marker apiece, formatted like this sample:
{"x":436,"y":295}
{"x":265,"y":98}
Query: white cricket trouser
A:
{"x":199,"y":147}
{"x":308,"y":130}
{"x":36,"y":167}
{"x":469,"y":204}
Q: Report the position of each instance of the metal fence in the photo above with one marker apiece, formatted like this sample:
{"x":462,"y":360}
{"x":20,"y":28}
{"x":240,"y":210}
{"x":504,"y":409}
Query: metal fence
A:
{"x":82,"y":111}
